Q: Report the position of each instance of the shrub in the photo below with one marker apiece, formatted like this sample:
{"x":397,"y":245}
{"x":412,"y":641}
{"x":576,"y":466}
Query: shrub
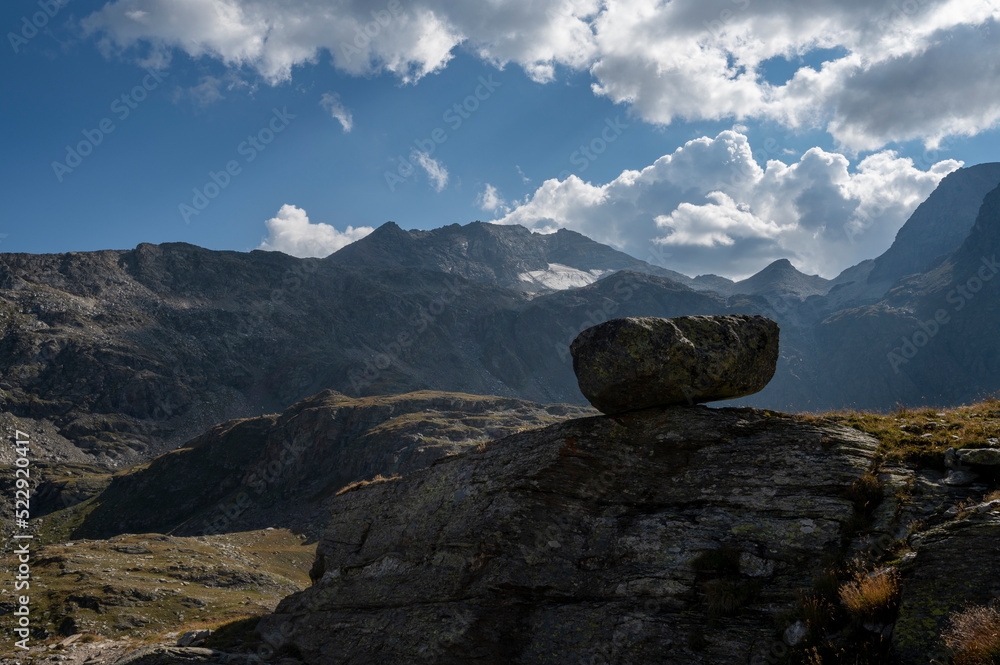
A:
{"x":974,"y":636}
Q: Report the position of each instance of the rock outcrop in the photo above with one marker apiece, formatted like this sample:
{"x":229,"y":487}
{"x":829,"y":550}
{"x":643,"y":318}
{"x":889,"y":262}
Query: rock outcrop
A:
{"x":635,"y":363}
{"x":957,"y":565}
{"x":605,"y":539}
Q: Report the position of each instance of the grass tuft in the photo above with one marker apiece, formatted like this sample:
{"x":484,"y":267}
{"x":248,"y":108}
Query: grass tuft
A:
{"x":358,"y":484}
{"x":872,"y":597}
{"x":974,"y":636}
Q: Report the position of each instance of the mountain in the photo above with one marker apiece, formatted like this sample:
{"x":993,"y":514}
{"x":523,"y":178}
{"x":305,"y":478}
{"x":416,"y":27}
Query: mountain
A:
{"x":932,"y":339}
{"x":938,"y":226}
{"x":114,"y":357}
{"x":781,"y":280}
{"x":283,"y":470}
{"x":504,"y":255}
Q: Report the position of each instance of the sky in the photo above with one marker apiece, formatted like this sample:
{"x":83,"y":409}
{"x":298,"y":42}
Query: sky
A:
{"x":706,"y":136}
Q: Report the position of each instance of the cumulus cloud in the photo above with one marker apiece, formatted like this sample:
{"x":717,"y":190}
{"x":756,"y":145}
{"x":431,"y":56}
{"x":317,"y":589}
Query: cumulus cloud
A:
{"x":490,"y":199}
{"x":291,"y":232}
{"x":912,"y":70}
{"x":710,"y":207}
{"x":436,"y":171}
{"x":331,"y":102}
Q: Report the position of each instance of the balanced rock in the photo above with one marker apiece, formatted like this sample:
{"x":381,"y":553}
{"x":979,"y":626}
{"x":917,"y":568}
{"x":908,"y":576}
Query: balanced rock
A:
{"x":638,"y":363}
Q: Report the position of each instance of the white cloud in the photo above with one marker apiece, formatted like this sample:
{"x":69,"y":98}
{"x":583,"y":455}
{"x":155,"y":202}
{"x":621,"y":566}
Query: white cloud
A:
{"x":331,"y":102}
{"x":710,"y":207}
{"x":490,"y":199}
{"x":436,"y":172}
{"x":920,"y":69}
{"x":291,"y":232}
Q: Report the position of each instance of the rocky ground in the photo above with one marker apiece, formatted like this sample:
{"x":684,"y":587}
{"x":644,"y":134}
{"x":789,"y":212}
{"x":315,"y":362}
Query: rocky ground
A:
{"x":138,"y":589}
{"x":581,"y":517}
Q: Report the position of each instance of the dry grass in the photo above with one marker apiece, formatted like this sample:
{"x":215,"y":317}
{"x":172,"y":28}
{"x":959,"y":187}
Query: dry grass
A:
{"x":872,"y":596}
{"x":358,"y":484}
{"x":974,"y":636}
{"x":922,"y":435}
{"x":816,"y":612}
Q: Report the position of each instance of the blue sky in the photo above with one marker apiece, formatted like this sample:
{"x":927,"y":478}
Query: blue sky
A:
{"x":647,"y":125}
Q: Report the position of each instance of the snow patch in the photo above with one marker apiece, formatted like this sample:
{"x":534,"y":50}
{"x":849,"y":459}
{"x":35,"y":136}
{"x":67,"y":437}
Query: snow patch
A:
{"x":559,"y":277}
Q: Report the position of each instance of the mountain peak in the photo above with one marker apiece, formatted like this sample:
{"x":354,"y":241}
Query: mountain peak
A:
{"x":781,"y":277}
{"x":782,"y":265}
{"x":508,"y":255}
{"x":938,"y":226}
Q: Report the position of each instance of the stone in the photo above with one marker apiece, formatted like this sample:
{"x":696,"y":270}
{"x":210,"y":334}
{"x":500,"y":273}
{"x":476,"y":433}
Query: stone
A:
{"x":631,"y":364}
{"x":957,"y":566}
{"x":165,"y":655}
{"x":795,"y":633}
{"x":959,"y":478}
{"x":601,"y":539}
{"x":979,"y":456}
{"x":192,"y":638}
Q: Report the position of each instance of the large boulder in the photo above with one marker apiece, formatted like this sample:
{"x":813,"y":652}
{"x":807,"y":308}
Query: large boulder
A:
{"x":611,"y":540}
{"x":637,"y":363}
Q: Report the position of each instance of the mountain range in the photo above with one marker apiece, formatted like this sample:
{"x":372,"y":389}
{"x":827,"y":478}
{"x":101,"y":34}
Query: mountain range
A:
{"x":119,"y":355}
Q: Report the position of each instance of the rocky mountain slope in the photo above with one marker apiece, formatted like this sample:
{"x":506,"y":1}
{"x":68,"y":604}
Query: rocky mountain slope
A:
{"x":938,"y":226}
{"x":114,"y":357}
{"x":932,"y":338}
{"x":135,"y":586}
{"x":283,"y":470}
